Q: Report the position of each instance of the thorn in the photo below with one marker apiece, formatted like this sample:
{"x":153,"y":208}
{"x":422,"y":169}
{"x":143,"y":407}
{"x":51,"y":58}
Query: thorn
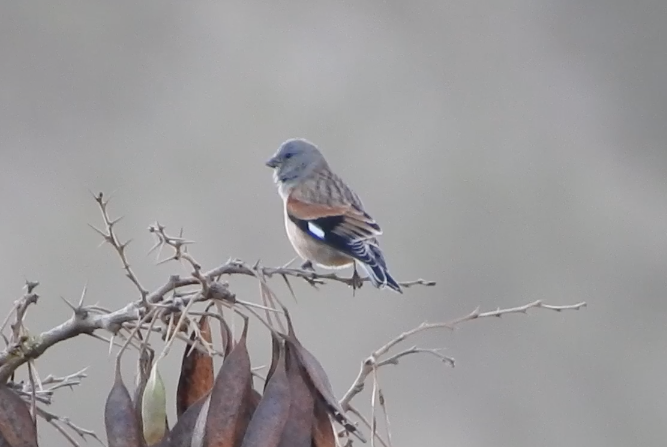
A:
{"x":98,"y":231}
{"x":111,"y":195}
{"x":99,"y":337}
{"x":157,"y":244}
{"x":115,"y":221}
{"x":259,"y":306}
{"x":83,"y":295}
{"x":30,"y":285}
{"x":289,"y":286}
{"x":307,"y":265}
{"x":124,"y":245}
{"x":290,"y":262}
{"x":70,"y":305}
{"x":164,"y":261}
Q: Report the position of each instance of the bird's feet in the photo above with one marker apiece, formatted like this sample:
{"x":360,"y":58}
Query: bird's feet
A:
{"x":307,"y":265}
{"x":356,"y":281}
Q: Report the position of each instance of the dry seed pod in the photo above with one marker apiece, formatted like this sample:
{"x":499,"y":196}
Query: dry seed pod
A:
{"x":318,"y":378}
{"x":185,"y":429}
{"x":196,"y":378}
{"x":154,"y":409}
{"x":17,"y":428}
{"x":144,"y":366}
{"x":298,"y":430}
{"x":226,"y":419}
{"x":120,"y":417}
{"x":323,"y":432}
{"x":276,"y":343}
{"x":267,"y":424}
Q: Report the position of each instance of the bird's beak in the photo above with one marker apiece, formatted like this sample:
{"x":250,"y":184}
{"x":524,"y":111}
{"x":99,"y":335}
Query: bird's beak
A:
{"x":272,"y":162}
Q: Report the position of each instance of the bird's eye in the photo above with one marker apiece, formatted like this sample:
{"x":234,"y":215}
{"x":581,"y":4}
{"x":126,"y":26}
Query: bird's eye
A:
{"x":287,"y":156}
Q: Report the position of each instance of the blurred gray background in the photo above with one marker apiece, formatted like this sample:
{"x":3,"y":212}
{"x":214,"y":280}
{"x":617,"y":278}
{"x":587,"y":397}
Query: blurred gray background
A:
{"x":512,"y":151}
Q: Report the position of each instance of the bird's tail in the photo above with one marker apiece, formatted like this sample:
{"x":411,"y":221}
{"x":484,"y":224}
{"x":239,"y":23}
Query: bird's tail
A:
{"x":378,"y":272}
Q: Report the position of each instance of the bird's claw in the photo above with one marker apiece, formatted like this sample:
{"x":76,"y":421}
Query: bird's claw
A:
{"x":356,"y":281}
{"x":307,"y":265}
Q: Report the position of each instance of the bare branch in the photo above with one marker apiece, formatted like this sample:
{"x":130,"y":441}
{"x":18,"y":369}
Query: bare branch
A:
{"x":383,"y":404}
{"x":56,"y":420}
{"x":374,"y":359}
{"x":167,"y":310}
{"x":20,"y":308}
{"x":311,"y":277}
{"x":393,"y":360}
{"x":110,"y":237}
{"x":363,"y":419}
{"x":237,"y":267}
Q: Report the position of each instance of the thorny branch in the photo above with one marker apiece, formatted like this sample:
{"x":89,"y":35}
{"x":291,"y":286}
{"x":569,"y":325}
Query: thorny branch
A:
{"x":58,"y":421}
{"x":44,"y":394}
{"x":171,"y":302}
{"x":370,"y":366}
{"x":110,"y":237}
{"x":375,"y":359}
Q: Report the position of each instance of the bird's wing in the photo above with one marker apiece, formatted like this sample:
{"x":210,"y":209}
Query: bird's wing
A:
{"x":324,"y":221}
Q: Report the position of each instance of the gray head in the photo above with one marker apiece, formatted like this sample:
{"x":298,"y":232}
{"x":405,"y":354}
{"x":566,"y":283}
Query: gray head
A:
{"x":295,"y":160}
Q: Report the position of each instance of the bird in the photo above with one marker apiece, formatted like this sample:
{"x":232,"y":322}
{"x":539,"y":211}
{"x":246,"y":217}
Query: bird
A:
{"x":325,"y":220}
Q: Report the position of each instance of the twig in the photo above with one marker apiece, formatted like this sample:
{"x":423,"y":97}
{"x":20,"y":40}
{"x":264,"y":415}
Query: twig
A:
{"x":393,"y":360}
{"x":53,"y":419}
{"x":368,"y":364}
{"x":383,"y":404}
{"x":313,"y":278}
{"x":137,"y":316}
{"x":19,"y":310}
{"x":33,"y":397}
{"x":363,"y":419}
{"x":110,"y":237}
{"x":374,"y":394}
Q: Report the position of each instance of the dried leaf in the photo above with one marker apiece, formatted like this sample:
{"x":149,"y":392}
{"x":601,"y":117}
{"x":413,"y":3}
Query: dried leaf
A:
{"x":267,"y":424}
{"x":154,"y":408}
{"x":17,"y":428}
{"x":196,"y":378}
{"x":227,"y":416}
{"x":298,"y":431}
{"x":119,"y":416}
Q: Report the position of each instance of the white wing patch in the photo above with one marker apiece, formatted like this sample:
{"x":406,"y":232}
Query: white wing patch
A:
{"x":316,"y":231}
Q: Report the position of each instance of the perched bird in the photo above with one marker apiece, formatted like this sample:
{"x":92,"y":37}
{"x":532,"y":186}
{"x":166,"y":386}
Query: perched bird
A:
{"x":325,"y":220}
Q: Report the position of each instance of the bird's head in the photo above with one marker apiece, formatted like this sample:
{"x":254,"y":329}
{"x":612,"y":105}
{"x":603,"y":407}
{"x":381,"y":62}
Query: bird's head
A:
{"x":295,"y":160}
